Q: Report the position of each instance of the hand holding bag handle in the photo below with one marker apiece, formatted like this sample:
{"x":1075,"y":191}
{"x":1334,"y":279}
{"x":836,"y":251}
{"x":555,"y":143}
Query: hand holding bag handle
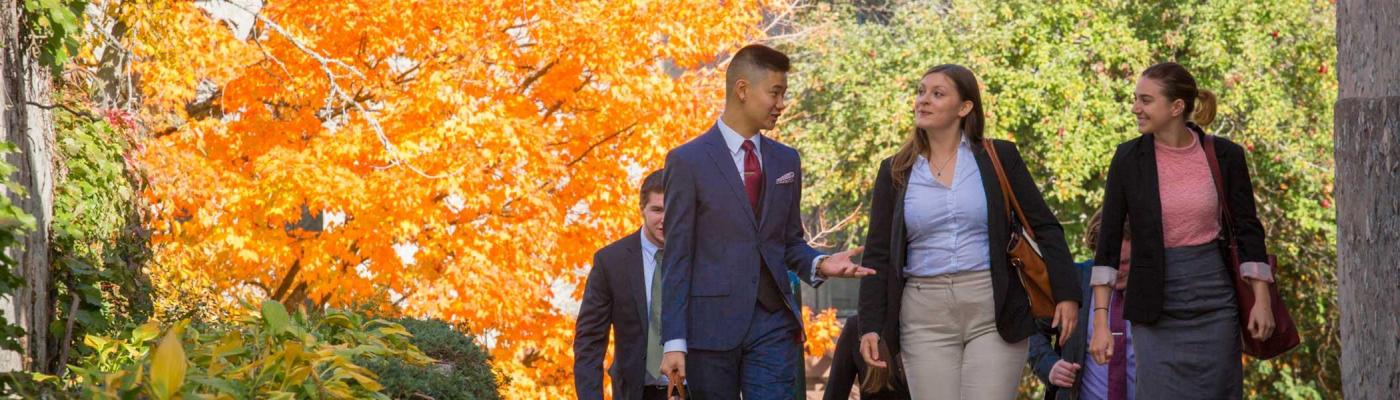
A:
{"x":890,"y":378}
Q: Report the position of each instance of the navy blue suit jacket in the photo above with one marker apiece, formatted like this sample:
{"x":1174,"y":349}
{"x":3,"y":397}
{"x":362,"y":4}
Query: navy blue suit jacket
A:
{"x":714,"y":242}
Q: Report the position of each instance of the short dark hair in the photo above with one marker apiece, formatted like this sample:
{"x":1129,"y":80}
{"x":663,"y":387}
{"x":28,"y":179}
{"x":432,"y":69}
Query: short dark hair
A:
{"x":655,"y":182}
{"x":752,"y":59}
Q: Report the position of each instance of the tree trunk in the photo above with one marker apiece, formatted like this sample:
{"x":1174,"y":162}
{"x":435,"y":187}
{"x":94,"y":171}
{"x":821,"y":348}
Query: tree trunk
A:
{"x":1368,"y":196}
{"x":25,"y":96}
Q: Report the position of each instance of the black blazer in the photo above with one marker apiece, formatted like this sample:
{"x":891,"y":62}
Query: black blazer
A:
{"x":886,"y":244}
{"x":848,"y":368}
{"x":1132,"y":192}
{"x":613,"y":299}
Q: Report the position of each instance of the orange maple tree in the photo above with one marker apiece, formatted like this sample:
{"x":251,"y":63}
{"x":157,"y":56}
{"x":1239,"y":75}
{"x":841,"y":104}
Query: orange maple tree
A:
{"x":459,"y":160}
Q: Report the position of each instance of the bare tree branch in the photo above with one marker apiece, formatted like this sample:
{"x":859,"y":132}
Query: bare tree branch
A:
{"x":560,"y":104}
{"x":82,"y":113}
{"x":782,"y":18}
{"x":396,"y":159}
{"x":535,"y":76}
{"x":824,"y":230}
{"x":287,"y":280}
{"x":595,"y":145}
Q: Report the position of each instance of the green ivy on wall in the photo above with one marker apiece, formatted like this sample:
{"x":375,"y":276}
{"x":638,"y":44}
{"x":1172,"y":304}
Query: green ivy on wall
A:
{"x":56,"y":25}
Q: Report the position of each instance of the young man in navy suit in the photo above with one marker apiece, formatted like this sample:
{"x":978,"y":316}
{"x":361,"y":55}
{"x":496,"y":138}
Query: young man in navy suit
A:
{"x":733,"y":230}
{"x":622,"y":295}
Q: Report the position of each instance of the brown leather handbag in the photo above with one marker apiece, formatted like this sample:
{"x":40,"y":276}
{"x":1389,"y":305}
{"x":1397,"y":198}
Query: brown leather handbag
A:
{"x":674,"y":390}
{"x":1022,"y":251}
{"x":1285,"y":335}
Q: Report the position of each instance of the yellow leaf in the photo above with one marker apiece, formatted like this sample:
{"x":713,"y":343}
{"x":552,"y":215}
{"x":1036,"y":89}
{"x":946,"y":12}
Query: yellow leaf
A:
{"x":168,"y":367}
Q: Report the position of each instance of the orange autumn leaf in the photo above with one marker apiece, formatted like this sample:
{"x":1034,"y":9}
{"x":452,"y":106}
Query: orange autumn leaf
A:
{"x":459,"y":160}
{"x":822,"y":330}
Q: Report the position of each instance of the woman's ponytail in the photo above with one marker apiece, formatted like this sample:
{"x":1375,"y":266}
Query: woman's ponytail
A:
{"x":1205,"y":108}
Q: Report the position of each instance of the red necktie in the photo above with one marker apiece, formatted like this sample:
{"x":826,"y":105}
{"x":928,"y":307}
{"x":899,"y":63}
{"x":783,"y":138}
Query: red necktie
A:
{"x":1118,"y":365}
{"x":753,"y":175}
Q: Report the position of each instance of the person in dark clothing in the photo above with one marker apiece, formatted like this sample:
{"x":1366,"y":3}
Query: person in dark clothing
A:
{"x":1063,"y":370}
{"x":848,"y":368}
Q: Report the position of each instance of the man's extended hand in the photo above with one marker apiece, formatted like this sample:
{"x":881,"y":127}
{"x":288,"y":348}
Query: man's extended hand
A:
{"x":839,"y":265}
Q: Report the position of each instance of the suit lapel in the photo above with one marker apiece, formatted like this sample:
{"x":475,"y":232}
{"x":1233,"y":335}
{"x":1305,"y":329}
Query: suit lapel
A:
{"x":724,"y":164}
{"x":1147,"y":174}
{"x":635,"y":274}
{"x":771,"y":171}
{"x":897,"y":259}
{"x":997,"y":223}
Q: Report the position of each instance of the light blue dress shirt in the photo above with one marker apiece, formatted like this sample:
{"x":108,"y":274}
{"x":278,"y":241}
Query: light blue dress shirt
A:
{"x":946,"y":226}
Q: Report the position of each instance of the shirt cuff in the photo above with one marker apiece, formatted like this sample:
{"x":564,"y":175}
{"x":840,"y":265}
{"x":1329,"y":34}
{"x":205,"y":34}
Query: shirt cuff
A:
{"x":1102,"y":276}
{"x":817,"y":279}
{"x":674,"y":345}
{"x":1257,"y":271}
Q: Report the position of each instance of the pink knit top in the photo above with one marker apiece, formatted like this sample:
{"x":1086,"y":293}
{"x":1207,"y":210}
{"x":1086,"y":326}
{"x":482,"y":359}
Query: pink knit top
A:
{"x":1190,"y":206}
{"x":1190,"y":209}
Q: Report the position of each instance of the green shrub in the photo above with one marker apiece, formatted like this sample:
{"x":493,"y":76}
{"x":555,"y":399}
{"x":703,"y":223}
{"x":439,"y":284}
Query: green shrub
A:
{"x":268,"y":354}
{"x":462,"y":371}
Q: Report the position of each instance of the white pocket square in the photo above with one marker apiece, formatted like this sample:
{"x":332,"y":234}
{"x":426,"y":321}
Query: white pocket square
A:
{"x":786,"y":178}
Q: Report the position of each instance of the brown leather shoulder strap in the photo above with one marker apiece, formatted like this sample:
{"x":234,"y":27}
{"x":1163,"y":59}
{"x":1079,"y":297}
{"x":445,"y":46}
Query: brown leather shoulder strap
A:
{"x":1007,"y":195}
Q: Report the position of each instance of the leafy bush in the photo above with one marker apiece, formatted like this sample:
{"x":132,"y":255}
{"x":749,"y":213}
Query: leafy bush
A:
{"x":267,"y":354}
{"x":462,"y":371}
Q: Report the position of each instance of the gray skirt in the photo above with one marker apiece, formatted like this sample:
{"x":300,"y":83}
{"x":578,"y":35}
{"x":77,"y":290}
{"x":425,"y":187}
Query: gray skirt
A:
{"x":1193,"y":350}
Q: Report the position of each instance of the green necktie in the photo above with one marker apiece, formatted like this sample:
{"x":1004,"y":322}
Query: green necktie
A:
{"x":654,"y":321}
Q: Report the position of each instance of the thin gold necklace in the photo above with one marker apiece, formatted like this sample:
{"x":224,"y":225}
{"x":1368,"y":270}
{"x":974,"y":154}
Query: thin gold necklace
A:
{"x":938,"y":171}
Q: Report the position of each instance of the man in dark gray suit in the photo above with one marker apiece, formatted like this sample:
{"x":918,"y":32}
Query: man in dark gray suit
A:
{"x":621,"y":295}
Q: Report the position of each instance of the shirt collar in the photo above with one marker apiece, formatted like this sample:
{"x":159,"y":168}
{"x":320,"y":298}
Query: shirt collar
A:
{"x":733,"y":140}
{"x":963,"y":145}
{"x":647,"y":246}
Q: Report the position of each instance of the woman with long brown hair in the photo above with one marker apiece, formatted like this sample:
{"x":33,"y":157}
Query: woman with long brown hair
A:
{"x":944,"y":297}
{"x":1180,"y":296}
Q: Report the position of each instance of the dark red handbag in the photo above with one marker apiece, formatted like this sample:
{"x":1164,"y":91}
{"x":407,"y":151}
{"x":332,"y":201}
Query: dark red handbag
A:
{"x":1285,"y":336}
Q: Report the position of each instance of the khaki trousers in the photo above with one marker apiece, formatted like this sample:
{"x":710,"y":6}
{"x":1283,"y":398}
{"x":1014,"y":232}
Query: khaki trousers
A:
{"x":951,"y":348}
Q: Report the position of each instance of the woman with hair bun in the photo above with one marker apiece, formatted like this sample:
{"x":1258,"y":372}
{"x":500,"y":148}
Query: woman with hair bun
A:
{"x":1180,"y":296}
